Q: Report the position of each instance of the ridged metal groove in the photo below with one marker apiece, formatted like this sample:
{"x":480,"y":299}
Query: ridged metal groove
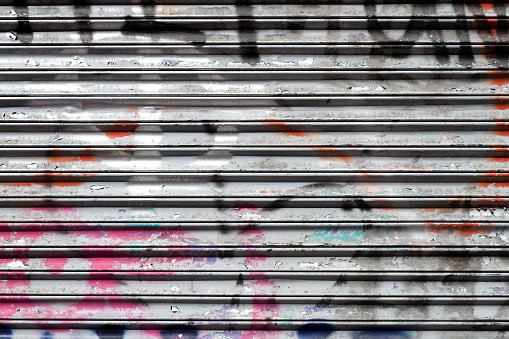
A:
{"x":254,"y":169}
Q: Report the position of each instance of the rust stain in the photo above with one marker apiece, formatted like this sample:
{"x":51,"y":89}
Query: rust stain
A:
{"x":500,"y":78}
{"x":47,"y":183}
{"x":120,"y":130}
{"x":288,"y":130}
{"x":464,"y":229}
{"x":135,"y":111}
{"x":65,"y":175}
{"x":50,"y":181}
{"x":499,"y":81}
{"x":493,"y":26}
{"x":491,"y":199}
{"x":166,"y":10}
{"x":498,"y":160}
{"x":487,"y":7}
{"x":503,"y":132}
{"x":494,"y":184}
{"x":504,"y":104}
{"x":72,"y":159}
{"x":435,"y":210}
{"x":496,"y":175}
{"x":334,"y":155}
{"x":83,"y":158}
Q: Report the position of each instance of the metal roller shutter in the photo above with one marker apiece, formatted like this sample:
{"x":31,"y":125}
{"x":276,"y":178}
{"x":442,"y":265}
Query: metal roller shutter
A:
{"x":262,"y":169}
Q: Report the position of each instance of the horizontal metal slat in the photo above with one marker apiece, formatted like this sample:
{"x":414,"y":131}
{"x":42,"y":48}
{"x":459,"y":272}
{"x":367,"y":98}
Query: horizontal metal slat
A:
{"x":226,"y":212}
{"x":169,"y":35}
{"x":241,"y":88}
{"x":267,"y":10}
{"x":99,"y":114}
{"x":218,"y":160}
{"x":254,"y":234}
{"x":138,"y":26}
{"x":36,"y":61}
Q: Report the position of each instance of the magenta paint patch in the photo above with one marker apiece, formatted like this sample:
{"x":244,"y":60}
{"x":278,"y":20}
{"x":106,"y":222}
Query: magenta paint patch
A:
{"x":55,"y":264}
{"x":242,"y":205}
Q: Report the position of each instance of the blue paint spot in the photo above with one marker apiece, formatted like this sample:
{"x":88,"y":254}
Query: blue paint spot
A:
{"x":315,"y":331}
{"x":5,"y":333}
{"x":110,"y":332}
{"x":47,"y":335}
{"x":381,"y":334}
{"x":179,"y":332}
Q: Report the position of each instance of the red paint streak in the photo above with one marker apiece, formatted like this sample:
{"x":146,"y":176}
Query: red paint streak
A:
{"x":135,"y":111}
{"x":465,"y":229}
{"x":83,"y":158}
{"x":334,"y":155}
{"x":435,"y":210}
{"x":493,"y":25}
{"x":500,"y":77}
{"x":50,"y":175}
{"x":498,"y":160}
{"x":487,"y":7}
{"x":46,"y":183}
{"x":73,"y":159}
{"x":503,"y":132}
{"x":120,"y":130}
{"x":491,"y":199}
{"x":289,"y":130}
{"x":496,"y":175}
{"x":18,"y":184}
{"x":503,"y":105}
{"x":55,"y":209}
{"x":494,"y":184}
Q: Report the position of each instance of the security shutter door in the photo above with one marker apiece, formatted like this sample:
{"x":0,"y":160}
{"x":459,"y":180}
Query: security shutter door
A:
{"x":253,"y":169}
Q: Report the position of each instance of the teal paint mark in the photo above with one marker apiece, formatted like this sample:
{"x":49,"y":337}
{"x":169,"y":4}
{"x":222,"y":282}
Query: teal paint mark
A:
{"x":144,"y":224}
{"x":333,"y":233}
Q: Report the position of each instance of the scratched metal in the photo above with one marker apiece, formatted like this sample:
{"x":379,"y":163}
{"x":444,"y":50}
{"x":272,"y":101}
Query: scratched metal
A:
{"x":259,"y":169}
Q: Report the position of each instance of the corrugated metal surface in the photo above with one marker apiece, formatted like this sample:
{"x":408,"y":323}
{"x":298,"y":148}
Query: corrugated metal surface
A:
{"x":263,"y":169}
